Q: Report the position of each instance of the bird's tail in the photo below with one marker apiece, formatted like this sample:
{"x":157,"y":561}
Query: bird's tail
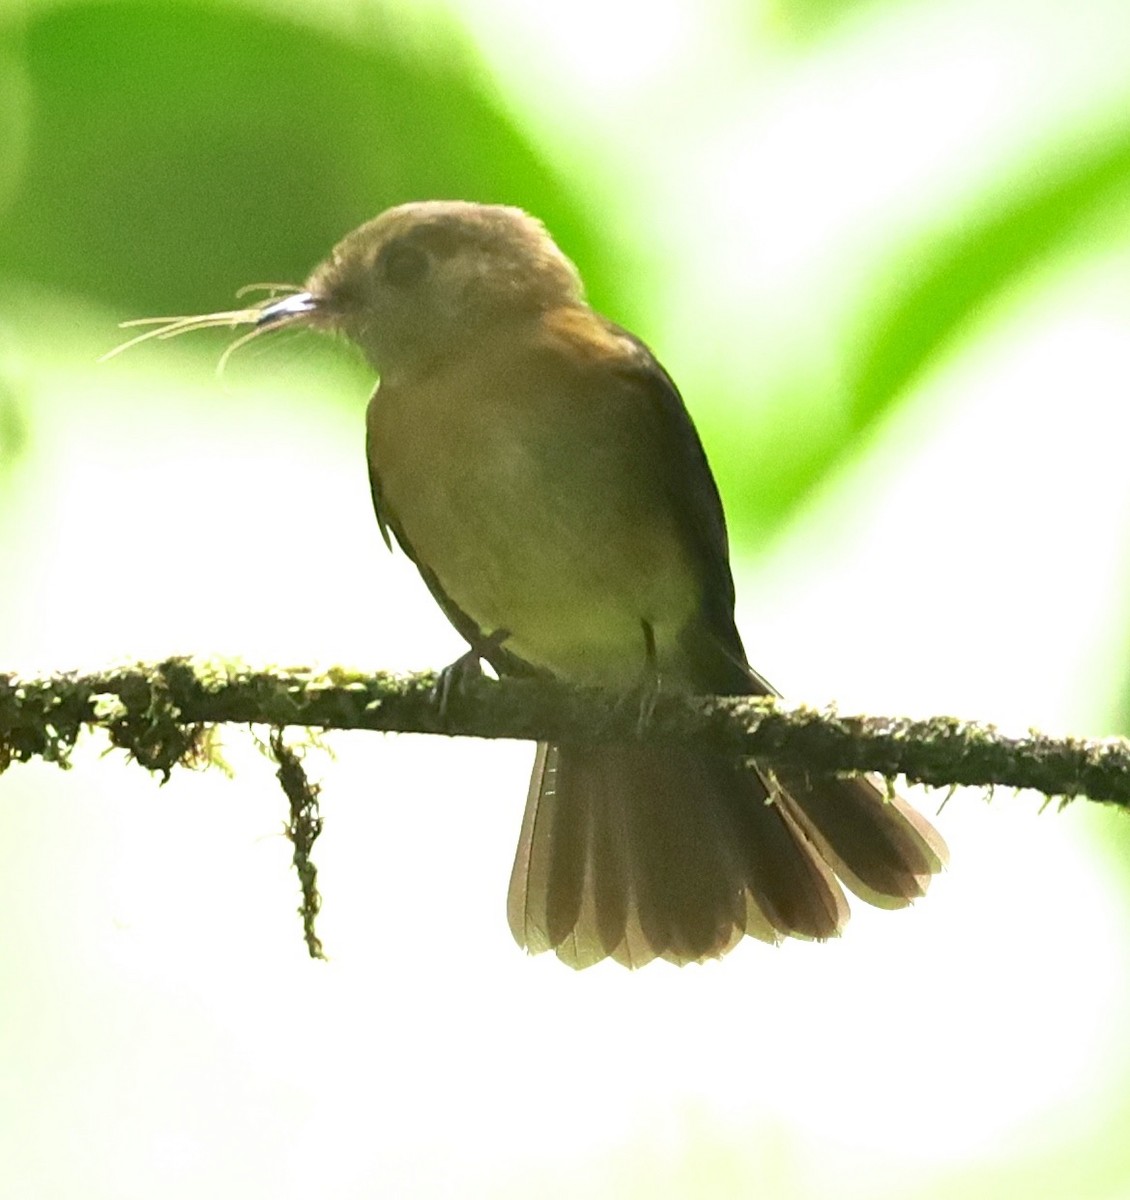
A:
{"x":638,"y":852}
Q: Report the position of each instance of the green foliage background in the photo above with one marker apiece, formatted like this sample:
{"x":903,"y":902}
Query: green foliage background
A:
{"x":155,"y":155}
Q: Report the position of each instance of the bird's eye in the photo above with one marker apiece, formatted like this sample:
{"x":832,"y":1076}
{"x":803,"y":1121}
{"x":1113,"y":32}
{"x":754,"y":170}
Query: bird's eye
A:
{"x":402,"y":264}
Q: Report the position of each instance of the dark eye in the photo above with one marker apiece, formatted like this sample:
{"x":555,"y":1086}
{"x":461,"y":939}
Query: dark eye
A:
{"x":402,"y":264}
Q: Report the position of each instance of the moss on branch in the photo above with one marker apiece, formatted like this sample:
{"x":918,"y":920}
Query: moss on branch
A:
{"x":165,"y":714}
{"x":161,"y":714}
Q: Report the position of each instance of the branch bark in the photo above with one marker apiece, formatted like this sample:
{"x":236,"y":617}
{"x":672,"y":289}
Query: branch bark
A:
{"x":162,"y":715}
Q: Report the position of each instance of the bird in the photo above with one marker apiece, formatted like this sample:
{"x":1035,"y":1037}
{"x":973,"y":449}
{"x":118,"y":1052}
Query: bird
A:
{"x":539,"y":467}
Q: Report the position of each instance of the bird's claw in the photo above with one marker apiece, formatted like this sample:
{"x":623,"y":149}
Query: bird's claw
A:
{"x":453,"y":678}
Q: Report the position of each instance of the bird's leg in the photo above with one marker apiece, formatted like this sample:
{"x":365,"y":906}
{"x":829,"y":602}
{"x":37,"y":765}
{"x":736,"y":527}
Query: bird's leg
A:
{"x":646,"y":691}
{"x":651,"y":681}
{"x":454,"y":677}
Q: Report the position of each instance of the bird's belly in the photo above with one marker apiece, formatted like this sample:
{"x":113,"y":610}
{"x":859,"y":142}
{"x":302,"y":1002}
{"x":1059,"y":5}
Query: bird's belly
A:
{"x":572,"y":565}
{"x":578,"y":610}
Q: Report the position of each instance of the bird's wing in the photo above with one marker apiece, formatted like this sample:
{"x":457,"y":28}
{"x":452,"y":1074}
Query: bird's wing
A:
{"x":668,"y":437}
{"x":378,"y":506}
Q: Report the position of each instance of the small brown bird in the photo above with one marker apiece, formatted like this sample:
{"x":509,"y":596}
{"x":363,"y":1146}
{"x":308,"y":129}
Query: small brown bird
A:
{"x":538,"y":466}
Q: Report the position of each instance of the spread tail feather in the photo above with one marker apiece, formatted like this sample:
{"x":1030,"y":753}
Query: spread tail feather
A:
{"x":638,"y":852}
{"x":877,"y":844}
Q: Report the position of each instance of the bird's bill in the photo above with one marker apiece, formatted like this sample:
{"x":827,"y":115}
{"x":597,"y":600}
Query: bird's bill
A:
{"x":285,"y":310}
{"x":267,"y":314}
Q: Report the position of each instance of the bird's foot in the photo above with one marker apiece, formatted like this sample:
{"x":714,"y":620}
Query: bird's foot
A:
{"x":640,"y":697}
{"x":453,"y":679}
{"x":647,"y":690}
{"x":646,"y":695}
{"x":638,"y":702}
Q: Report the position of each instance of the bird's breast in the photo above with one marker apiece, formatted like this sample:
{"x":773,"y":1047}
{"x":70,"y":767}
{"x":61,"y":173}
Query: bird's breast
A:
{"x":529,"y":507}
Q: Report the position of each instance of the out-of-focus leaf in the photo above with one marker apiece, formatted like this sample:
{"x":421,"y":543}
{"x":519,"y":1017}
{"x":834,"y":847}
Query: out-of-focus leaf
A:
{"x":944,"y":288}
{"x":936,"y":292}
{"x":179,"y":150}
{"x":13,"y":414}
{"x":14,"y":119}
{"x":811,"y":18}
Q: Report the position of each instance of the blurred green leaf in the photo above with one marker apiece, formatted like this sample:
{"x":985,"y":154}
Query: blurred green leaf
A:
{"x":809,"y":19}
{"x":947,"y":284}
{"x":14,"y":422}
{"x":180,"y":150}
{"x":936,"y":291}
{"x":14,"y":121}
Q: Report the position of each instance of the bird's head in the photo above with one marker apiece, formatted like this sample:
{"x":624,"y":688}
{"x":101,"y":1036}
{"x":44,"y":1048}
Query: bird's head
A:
{"x":419,"y":283}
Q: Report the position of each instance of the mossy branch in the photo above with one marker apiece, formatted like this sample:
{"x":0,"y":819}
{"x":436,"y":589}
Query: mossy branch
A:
{"x":162,"y":713}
